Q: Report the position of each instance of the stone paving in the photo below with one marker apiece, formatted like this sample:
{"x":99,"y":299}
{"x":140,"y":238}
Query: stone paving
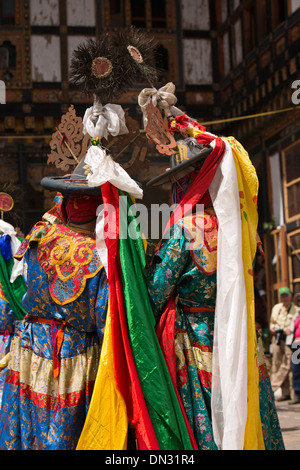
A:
{"x":289,"y":418}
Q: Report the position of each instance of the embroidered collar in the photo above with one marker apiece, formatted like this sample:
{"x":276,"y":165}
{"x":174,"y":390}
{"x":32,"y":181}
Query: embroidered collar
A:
{"x":67,"y":257}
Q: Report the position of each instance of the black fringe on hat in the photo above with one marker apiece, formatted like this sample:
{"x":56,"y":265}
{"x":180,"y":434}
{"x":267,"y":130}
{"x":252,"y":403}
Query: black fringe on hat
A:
{"x":106,"y":87}
{"x":137,"y":50}
{"x":106,"y":67}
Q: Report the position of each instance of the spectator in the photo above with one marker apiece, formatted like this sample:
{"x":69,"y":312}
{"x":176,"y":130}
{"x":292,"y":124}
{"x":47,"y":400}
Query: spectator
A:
{"x":297,"y":300}
{"x":295,"y":334}
{"x":281,"y":317}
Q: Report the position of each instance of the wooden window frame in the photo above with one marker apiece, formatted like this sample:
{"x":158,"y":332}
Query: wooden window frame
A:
{"x":7,"y":20}
{"x":248,"y":22}
{"x":287,"y":185}
{"x":292,"y":252}
{"x":126,"y":14}
{"x":276,"y":238}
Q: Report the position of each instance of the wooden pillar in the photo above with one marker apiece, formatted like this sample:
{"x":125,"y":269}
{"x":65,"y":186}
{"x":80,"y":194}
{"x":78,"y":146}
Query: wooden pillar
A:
{"x":64,"y":50}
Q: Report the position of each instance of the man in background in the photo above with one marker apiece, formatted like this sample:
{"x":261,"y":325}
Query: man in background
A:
{"x":281,"y":317}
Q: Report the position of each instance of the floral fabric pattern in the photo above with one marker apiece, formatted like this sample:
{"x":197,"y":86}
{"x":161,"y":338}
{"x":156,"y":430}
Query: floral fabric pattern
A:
{"x":176,"y":271}
{"x":7,"y":321}
{"x":38,"y":410}
{"x":269,"y":418}
{"x":68,"y":258}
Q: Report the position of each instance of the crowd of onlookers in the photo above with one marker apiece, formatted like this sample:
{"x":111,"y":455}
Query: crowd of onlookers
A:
{"x":280,"y":334}
{"x":285,"y":334}
{"x":281,"y":341}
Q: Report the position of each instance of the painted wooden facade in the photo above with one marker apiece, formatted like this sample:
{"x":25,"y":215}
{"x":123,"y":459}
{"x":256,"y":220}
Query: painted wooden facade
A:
{"x":259,"y":77}
{"x":229,"y":59}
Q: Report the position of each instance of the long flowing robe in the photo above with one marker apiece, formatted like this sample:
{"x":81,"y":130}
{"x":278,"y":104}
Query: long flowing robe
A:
{"x":55,"y":351}
{"x":185,"y":273}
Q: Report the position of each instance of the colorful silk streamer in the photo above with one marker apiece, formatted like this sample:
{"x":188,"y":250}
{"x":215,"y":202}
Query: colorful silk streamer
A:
{"x":235,"y":388}
{"x":106,"y":424}
{"x":117,"y":373}
{"x":138,"y":375}
{"x":158,"y":389}
{"x":125,"y":370}
{"x":15,"y":291}
{"x":248,"y":192}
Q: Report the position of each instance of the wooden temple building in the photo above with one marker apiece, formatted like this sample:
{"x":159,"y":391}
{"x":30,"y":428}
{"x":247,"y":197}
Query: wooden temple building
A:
{"x":235,"y":64}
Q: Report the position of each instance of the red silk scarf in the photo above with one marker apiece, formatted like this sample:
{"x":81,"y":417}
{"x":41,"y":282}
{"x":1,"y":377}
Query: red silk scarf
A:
{"x":125,"y":370}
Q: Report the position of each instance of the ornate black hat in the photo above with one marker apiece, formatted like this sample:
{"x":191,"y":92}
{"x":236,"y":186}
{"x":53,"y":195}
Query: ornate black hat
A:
{"x":188,"y":155}
{"x":185,"y":151}
{"x":103,"y":69}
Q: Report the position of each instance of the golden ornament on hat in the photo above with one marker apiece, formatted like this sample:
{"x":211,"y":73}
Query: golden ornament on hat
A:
{"x":101,"y":67}
{"x":6,"y":202}
{"x":135,"y":54}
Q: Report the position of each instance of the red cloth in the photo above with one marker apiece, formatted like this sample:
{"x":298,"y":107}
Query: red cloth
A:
{"x":125,"y":371}
{"x":165,"y":331}
{"x":58,"y":340}
{"x":199,"y":187}
{"x":297,"y":327}
{"x":196,"y":194}
{"x":82,"y":208}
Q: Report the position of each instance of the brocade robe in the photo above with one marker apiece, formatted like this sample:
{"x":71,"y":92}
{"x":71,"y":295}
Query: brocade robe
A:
{"x":186,"y":270}
{"x":55,"y":351}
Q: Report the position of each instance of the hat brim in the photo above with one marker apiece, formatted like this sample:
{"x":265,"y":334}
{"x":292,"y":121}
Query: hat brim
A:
{"x":180,"y":170}
{"x":65,"y":185}
{"x":284,"y":290}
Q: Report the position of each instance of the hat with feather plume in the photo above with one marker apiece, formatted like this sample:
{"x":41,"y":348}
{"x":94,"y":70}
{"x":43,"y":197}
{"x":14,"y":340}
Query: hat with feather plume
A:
{"x":104,"y":69}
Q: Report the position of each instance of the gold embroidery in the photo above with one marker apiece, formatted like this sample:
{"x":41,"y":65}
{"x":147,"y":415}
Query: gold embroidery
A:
{"x":62,"y":253}
{"x":202,"y":231}
{"x":66,"y":256}
{"x":80,"y":230}
{"x":2,"y":296}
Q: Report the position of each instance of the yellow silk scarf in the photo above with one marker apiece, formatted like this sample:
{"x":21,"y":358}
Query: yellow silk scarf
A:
{"x":248,"y":192}
{"x":106,"y":425}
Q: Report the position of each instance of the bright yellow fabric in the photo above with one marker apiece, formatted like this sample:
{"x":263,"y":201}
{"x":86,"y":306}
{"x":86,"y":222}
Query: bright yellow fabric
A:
{"x":4,"y":361}
{"x":248,"y":189}
{"x":106,"y":425}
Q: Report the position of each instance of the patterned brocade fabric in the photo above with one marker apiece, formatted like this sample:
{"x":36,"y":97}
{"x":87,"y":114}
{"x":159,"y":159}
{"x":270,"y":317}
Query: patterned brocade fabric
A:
{"x":40,"y":412}
{"x":190,"y":275}
{"x":269,"y":418}
{"x":7,"y":324}
{"x":67,"y":289}
{"x":68,"y":259}
{"x":174,"y":271}
{"x":193,"y":348}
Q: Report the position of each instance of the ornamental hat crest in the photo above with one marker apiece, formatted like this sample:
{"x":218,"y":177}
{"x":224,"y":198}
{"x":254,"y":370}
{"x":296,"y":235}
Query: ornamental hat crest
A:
{"x":103,"y":69}
{"x":169,"y":128}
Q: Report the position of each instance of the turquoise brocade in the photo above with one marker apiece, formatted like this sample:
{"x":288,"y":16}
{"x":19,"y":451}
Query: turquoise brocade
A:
{"x":174,"y":272}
